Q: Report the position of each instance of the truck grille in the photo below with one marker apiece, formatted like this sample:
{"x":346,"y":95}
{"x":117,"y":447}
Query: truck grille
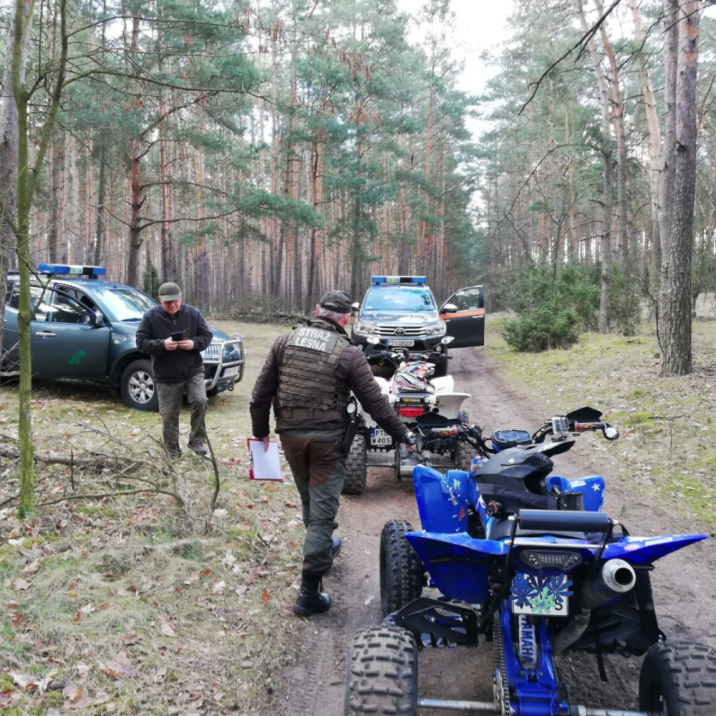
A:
{"x":406,"y":331}
{"x":213,"y":351}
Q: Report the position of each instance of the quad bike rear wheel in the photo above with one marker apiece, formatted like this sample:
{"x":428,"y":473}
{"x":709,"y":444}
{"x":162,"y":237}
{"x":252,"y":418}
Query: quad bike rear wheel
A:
{"x":678,"y":680}
{"x":356,"y":468}
{"x":382,"y":673}
{"x":401,"y":570}
{"x":464,"y":452}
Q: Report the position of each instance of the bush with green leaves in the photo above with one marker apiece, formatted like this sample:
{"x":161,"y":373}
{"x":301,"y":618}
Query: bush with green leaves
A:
{"x":574,"y":287}
{"x":542,"y":328}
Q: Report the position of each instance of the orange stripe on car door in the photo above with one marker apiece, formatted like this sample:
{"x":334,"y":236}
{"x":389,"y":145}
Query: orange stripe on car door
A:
{"x":462,"y":314}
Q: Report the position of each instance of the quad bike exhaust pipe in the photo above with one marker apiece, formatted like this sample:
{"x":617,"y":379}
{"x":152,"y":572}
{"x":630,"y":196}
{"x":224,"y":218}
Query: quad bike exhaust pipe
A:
{"x":616,"y":577}
{"x":485,"y":707}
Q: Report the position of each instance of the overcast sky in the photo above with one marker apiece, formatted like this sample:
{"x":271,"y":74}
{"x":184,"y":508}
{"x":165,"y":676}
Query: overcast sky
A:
{"x":480,"y":25}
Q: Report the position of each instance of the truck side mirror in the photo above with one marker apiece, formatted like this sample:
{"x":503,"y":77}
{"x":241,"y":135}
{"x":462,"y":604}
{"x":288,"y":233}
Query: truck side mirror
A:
{"x":355,"y":308}
{"x":449,"y":308}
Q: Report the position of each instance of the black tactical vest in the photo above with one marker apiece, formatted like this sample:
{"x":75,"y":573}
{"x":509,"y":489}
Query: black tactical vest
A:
{"x":307,"y":374}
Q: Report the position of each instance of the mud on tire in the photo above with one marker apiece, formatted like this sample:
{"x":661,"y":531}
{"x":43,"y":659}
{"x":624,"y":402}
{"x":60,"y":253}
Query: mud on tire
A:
{"x":678,"y":680}
{"x":382,"y":673}
{"x":356,"y":468}
{"x":401,"y":570}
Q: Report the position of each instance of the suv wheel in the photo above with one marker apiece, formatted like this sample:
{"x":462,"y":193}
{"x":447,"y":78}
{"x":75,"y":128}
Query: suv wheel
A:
{"x":137,"y":386}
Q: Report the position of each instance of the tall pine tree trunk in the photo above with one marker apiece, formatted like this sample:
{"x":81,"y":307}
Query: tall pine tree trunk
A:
{"x":605,"y":243}
{"x":675,"y":304}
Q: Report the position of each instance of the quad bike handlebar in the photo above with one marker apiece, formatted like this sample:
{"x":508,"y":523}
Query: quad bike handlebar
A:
{"x":396,"y":355}
{"x":562,"y":426}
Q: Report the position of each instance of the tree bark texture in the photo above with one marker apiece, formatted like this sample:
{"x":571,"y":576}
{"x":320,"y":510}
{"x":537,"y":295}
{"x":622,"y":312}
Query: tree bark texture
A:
{"x":675,"y":305}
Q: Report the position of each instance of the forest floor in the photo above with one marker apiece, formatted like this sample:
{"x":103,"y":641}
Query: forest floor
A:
{"x":121,"y":605}
{"x":648,"y":473}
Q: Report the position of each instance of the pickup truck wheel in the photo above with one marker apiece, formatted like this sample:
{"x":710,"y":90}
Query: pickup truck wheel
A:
{"x":382,"y":673}
{"x":356,"y":468}
{"x":401,"y":570}
{"x":678,"y":679}
{"x":137,"y":386}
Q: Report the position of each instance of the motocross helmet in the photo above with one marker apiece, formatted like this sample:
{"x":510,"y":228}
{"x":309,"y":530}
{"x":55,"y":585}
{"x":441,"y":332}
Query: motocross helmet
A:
{"x":413,"y":378}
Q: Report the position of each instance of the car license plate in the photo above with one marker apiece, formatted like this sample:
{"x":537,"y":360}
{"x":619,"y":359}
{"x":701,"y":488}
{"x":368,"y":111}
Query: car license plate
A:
{"x":228,"y":372}
{"x":400,"y":344}
{"x":380,"y":438}
{"x":540,"y":596}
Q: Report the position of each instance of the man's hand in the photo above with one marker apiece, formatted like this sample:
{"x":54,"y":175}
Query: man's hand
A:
{"x":186,"y":345}
{"x":266,"y":441}
{"x":170,"y":345}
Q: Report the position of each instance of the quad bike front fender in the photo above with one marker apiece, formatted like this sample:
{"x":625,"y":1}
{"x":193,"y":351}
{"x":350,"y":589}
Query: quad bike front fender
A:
{"x":442,"y":499}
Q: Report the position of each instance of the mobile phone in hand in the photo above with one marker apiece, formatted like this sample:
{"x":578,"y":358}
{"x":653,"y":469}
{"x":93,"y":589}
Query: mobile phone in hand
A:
{"x":177,"y":336}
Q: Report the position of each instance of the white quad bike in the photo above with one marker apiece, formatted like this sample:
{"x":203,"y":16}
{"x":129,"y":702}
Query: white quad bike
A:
{"x":427,"y":405}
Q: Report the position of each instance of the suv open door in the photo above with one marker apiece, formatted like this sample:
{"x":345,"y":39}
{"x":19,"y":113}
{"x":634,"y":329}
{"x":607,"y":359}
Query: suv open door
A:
{"x":464,"y":315}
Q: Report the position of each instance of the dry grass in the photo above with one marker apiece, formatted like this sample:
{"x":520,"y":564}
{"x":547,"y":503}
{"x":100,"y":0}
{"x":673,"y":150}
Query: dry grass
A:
{"x":667,"y":451}
{"x":114,"y":605}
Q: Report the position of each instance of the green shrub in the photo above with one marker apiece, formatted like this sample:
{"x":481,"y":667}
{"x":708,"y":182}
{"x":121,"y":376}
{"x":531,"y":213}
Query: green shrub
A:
{"x":542,"y":328}
{"x":573,"y":287}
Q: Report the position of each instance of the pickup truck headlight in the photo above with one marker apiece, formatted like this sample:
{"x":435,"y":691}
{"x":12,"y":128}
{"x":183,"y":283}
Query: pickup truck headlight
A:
{"x":365,"y":329}
{"x":436,"y":330}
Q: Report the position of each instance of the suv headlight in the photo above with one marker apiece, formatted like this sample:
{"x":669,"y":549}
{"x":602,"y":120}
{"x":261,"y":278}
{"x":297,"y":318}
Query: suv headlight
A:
{"x":436,"y":330}
{"x":365,"y":329}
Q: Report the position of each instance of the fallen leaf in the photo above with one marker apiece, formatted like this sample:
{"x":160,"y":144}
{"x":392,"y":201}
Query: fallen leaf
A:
{"x":131,"y":637}
{"x":16,"y":542}
{"x":167,"y":629}
{"x":73,"y":693}
{"x":87,"y":609}
{"x":27,"y":682}
{"x":218,"y":587}
{"x":21,"y":584}
{"x":101,"y":697}
{"x":33,"y":567}
{"x":290,"y":504}
{"x":265,"y":598}
{"x":369,"y":600}
{"x":160,"y":675}
{"x":119,"y":668}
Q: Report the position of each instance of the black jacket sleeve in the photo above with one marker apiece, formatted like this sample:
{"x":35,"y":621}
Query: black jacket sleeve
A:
{"x":146,"y":342}
{"x":366,"y":389}
{"x":203,"y":336}
{"x":265,"y":390}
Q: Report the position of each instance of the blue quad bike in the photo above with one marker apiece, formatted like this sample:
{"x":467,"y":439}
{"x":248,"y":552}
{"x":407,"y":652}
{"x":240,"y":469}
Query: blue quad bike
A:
{"x":528,"y":560}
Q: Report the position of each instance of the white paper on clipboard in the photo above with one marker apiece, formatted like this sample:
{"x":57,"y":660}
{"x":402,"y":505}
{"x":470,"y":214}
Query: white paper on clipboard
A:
{"x":265,"y":464}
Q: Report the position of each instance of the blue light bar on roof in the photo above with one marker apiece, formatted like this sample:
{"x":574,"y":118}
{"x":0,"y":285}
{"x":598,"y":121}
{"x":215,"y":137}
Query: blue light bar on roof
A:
{"x":415,"y":280}
{"x":71,"y":270}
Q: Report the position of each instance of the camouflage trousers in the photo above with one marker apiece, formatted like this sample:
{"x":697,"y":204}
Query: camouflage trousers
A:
{"x":318,"y":468}
{"x":171,"y":396}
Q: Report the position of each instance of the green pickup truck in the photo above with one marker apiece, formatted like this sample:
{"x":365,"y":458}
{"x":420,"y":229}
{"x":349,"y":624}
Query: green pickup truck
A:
{"x":85,"y":328}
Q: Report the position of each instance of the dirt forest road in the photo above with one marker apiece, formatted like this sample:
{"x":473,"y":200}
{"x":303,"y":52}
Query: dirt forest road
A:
{"x":684,"y":583}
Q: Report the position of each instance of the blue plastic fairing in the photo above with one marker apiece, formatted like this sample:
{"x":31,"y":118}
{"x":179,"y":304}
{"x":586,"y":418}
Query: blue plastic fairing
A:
{"x":592,"y":488}
{"x":442,"y":499}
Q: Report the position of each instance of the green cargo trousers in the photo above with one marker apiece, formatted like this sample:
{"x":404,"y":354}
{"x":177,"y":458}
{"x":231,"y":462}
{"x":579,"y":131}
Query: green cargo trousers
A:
{"x":170,"y":397}
{"x":318,"y":468}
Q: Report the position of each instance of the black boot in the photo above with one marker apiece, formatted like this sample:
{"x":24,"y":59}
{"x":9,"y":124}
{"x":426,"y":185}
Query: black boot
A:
{"x":311,"y":599}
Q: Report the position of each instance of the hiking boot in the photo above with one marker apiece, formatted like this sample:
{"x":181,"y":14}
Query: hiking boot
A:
{"x":174,"y":453}
{"x":199,"y":449}
{"x":311,"y":600}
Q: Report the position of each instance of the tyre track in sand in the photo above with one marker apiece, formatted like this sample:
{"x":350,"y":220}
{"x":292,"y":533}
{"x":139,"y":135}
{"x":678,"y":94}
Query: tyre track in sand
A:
{"x":683,"y":583}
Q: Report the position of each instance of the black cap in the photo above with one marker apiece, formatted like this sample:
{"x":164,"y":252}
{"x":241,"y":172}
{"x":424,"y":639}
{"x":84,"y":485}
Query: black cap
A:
{"x":337,"y":301}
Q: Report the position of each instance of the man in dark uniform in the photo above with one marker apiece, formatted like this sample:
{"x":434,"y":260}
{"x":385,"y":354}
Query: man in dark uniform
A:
{"x":178,"y":365}
{"x":308,"y":377}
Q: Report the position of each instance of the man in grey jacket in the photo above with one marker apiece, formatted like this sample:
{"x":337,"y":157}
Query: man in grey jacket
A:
{"x":308,"y":377}
{"x":174,"y":334}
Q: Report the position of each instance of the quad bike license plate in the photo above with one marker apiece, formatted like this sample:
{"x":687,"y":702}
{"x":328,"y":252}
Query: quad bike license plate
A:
{"x":540,"y":596}
{"x":401,"y":344}
{"x":380,"y":438}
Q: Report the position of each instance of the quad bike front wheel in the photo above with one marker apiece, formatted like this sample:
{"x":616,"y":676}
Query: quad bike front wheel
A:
{"x":678,"y":680}
{"x":401,"y":570}
{"x":356,"y":468}
{"x":382,"y":673}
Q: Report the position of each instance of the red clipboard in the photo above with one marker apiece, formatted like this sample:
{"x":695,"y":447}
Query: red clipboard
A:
{"x":265,"y":465}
